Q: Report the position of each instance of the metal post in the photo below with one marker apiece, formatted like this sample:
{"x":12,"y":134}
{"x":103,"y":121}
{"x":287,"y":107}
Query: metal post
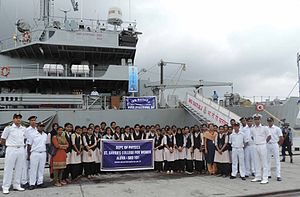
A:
{"x":298,"y":59}
{"x":161,"y":64}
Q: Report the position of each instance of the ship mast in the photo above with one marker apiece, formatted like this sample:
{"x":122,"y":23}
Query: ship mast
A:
{"x":45,"y":11}
{"x":298,"y":60}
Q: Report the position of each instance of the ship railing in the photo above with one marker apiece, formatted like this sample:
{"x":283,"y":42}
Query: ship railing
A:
{"x":88,"y":24}
{"x":18,"y":39}
{"x":39,"y":101}
{"x":29,"y":71}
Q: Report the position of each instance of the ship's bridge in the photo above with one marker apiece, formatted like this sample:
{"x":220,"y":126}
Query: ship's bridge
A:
{"x":92,"y":40}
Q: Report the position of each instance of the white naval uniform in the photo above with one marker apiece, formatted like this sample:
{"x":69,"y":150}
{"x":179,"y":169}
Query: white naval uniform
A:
{"x":249,"y":150}
{"x":14,"y":156}
{"x":38,"y":157}
{"x":29,"y":131}
{"x":260,"y":135}
{"x":273,"y":148}
{"x":237,"y":141}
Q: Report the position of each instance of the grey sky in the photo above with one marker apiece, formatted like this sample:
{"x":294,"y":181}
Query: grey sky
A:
{"x":252,"y":43}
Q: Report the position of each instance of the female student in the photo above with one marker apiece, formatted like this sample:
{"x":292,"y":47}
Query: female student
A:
{"x":181,"y":153}
{"x":158,"y":151}
{"x":169,"y":152}
{"x":198,"y":150}
{"x":76,"y":153}
{"x":88,"y":155}
{"x":209,"y":138}
{"x":59,"y":159}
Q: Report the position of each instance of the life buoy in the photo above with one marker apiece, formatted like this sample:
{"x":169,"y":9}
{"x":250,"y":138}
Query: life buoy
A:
{"x":26,"y":37}
{"x":260,"y":107}
{"x":5,"y":70}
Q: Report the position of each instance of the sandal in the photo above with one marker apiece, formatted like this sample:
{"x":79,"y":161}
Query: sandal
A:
{"x":57,"y":184}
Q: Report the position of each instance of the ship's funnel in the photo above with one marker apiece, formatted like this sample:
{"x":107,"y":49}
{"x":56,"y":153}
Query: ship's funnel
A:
{"x":115,"y":16}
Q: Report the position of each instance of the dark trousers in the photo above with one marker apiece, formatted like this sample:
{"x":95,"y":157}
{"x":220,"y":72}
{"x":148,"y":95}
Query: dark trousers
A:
{"x":179,"y":165}
{"x":286,"y":147}
{"x":169,"y":165}
{"x":224,"y":168}
{"x":189,"y":165}
{"x":199,"y":166}
{"x":76,"y":170}
{"x":88,"y":168}
{"x":96,"y":168}
{"x":66,"y":172}
{"x":158,"y":166}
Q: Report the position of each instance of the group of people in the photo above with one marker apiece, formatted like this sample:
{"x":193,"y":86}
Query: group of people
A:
{"x":244,"y":147}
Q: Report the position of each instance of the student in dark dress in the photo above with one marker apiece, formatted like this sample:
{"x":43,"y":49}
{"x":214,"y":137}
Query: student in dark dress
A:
{"x":180,"y":151}
{"x":158,"y":151}
{"x":88,"y":155}
{"x":187,"y":134}
{"x":221,"y":153}
{"x":126,"y":135}
{"x":198,"y":149}
{"x":137,"y":135}
{"x":76,"y":153}
{"x":169,"y":154}
{"x":151,"y":134}
{"x":96,"y":168}
{"x":102,"y":129}
{"x":209,"y":138}
{"x":117,"y":134}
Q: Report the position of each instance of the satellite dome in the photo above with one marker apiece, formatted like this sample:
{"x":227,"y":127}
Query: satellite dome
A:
{"x":22,"y":26}
{"x":115,"y":16}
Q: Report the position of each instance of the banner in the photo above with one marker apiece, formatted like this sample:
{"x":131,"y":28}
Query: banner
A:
{"x":147,"y":102}
{"x":127,"y":155}
{"x":211,"y":111}
{"x":133,"y":79}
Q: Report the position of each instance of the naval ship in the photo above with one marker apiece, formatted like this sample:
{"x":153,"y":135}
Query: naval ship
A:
{"x":65,"y":69}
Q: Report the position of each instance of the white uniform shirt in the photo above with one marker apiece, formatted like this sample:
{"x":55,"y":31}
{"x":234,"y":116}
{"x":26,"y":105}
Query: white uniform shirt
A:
{"x":38,"y":142}
{"x":14,"y":135}
{"x":29,"y":131}
{"x":247,"y":132}
{"x":90,"y":138}
{"x":260,"y":134}
{"x":276,"y":133}
{"x":185,"y":137}
{"x":126,"y":135}
{"x":237,"y":140}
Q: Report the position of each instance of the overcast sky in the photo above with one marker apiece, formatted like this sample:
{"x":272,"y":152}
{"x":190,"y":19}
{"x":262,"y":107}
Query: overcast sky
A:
{"x":252,"y":43}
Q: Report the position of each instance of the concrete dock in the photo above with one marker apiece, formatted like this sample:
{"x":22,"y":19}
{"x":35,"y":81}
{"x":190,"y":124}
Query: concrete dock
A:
{"x":148,"y":183}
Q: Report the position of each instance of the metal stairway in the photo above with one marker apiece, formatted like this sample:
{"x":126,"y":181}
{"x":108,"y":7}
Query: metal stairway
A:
{"x":205,"y":110}
{"x":198,"y":116}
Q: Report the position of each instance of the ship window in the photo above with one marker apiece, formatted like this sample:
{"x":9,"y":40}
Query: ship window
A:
{"x":11,"y":98}
{"x":16,"y":98}
{"x":6,"y":98}
{"x":51,"y":33}
{"x":2,"y":98}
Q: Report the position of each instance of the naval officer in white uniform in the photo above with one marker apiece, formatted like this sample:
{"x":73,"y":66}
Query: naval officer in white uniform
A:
{"x":273,"y":147}
{"x":261,"y":136}
{"x":37,"y":155}
{"x":13,"y":138}
{"x":25,"y":169}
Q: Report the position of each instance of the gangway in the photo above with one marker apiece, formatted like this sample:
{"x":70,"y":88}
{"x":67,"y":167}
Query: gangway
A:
{"x":205,"y":110}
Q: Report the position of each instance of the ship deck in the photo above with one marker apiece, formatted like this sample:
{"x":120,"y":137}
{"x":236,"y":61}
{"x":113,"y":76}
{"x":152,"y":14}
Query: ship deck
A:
{"x":154,"y":184}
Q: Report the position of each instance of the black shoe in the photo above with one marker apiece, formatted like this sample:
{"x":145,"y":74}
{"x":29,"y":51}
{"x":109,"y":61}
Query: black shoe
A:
{"x":269,"y":177}
{"x":243,"y":178}
{"x":41,"y":186}
{"x":246,"y":176}
{"x":282,"y":160}
{"x":291,"y":160}
{"x":232,"y":177}
{"x":25,"y":186}
{"x":279,"y":179}
{"x":31,"y":187}
{"x":253,"y":174}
